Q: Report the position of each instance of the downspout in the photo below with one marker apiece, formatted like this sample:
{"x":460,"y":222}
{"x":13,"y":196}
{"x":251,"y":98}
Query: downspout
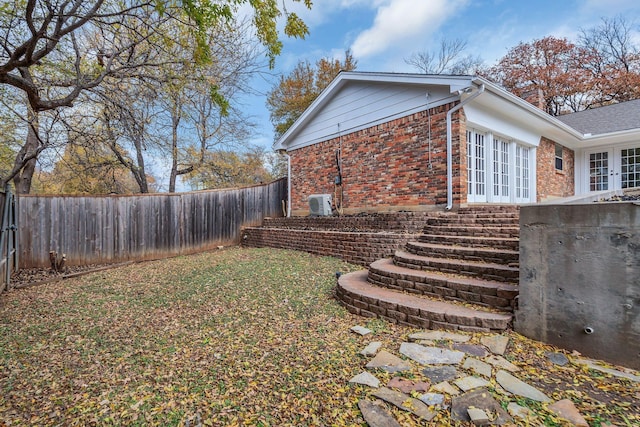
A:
{"x":288,"y":185}
{"x":449,"y":143}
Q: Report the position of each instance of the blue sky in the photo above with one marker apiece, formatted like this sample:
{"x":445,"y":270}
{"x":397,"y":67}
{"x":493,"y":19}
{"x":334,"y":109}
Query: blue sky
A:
{"x":382,"y":33}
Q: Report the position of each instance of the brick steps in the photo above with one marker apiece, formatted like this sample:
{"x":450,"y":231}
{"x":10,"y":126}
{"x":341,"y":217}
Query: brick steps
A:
{"x":365,"y":299}
{"x":477,"y":254}
{"x":504,"y":219}
{"x":499,"y":295}
{"x":489,"y":208}
{"x":464,"y":264}
{"x":481,"y":270}
{"x":475,"y":231}
{"x":509,"y":243}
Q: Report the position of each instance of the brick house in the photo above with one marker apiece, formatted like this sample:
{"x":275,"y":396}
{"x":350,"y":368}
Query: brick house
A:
{"x":390,"y":142}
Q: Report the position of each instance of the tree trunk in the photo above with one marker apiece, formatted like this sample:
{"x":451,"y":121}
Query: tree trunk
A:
{"x":175,"y":122}
{"x":139,"y":172}
{"x":22,"y":180}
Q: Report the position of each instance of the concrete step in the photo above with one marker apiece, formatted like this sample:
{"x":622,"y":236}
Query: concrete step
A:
{"x":362,"y":298}
{"x":510,"y":243}
{"x":471,"y":230}
{"x":480,"y":270}
{"x":467,"y":253}
{"x":498,"y":295}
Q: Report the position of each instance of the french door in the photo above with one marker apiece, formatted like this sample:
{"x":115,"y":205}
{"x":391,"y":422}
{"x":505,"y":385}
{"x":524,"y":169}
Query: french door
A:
{"x":523,"y":174}
{"x":630,"y":167}
{"x":498,"y":170}
{"x":500,"y":173}
{"x":611,"y":169}
{"x":476,"y":167}
{"x":600,"y":170}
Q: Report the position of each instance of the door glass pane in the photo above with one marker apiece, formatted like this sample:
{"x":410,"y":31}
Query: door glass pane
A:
{"x":522,"y":173}
{"x":469,"y":162}
{"x":504,"y":168}
{"x":599,"y":171}
{"x":630,"y":171}
{"x":500,"y":168}
{"x":479,"y":165}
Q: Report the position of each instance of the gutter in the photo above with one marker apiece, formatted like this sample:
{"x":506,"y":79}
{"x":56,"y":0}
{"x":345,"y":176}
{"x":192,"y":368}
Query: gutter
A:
{"x":449,"y":143}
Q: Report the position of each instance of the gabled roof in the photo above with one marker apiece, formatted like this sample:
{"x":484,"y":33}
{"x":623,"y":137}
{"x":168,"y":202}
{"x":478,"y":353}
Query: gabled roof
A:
{"x":618,"y":123}
{"x":607,"y":119}
{"x":344,"y":78}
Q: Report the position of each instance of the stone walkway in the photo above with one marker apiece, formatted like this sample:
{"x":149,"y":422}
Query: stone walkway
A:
{"x":461,"y":381}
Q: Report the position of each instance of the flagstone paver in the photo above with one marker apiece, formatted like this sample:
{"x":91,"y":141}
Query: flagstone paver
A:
{"x":389,"y":362}
{"x":407,"y":386}
{"x":375,"y":415}
{"x":567,"y":410}
{"x":516,"y":410}
{"x":501,"y":363}
{"x":440,"y":373}
{"x":497,"y":344}
{"x":431,"y":355}
{"x":557,"y":358}
{"x":478,"y":416}
{"x":405,"y":402}
{"x":445,"y":367}
{"x":470,"y":382}
{"x":432,"y":399}
{"x":477,"y":366}
{"x":371,"y":349}
{"x":473,"y":350}
{"x":519,"y":387}
{"x":439,"y":335}
{"x":616,"y":373}
{"x":446,"y":388}
{"x":480,"y":399}
{"x":367,"y":379}
{"x":360,"y":330}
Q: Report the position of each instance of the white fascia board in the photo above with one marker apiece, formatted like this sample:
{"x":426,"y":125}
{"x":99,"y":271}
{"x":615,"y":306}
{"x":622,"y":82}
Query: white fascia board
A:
{"x":455,"y":83}
{"x":611,"y":138}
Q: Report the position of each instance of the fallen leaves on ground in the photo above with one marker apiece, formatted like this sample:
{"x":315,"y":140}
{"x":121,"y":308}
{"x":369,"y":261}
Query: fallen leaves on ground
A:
{"x":240,"y":337}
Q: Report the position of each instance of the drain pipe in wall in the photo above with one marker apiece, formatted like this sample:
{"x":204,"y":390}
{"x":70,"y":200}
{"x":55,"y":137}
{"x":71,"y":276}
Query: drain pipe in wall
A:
{"x":449,"y":143}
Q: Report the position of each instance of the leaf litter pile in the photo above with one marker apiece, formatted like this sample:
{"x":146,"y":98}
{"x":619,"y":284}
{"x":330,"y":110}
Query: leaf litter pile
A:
{"x":235,"y":337}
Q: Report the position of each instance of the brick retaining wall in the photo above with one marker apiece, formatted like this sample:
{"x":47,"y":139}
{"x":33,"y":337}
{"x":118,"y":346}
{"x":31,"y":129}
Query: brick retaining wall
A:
{"x":402,"y":222}
{"x":360,"y":248}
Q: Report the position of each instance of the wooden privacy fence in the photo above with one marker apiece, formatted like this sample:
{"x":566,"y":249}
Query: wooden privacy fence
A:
{"x":8,"y":238}
{"x":109,"y":229}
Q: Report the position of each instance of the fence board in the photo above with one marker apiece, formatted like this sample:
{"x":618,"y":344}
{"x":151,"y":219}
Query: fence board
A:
{"x":108,"y":229}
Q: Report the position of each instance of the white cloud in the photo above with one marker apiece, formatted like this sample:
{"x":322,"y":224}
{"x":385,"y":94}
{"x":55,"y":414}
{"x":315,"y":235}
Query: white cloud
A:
{"x":399,"y":21}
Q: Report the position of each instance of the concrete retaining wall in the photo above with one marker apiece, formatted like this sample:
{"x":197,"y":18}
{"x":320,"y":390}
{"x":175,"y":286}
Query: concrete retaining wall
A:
{"x":580,"y":279}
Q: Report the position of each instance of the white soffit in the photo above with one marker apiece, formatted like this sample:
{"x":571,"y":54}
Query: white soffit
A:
{"x":521,"y":122}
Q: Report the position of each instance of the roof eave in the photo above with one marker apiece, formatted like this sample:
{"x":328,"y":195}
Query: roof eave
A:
{"x":529,"y":108}
{"x":455,"y":83}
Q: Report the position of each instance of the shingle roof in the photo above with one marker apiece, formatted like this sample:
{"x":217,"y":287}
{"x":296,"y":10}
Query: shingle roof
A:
{"x":610,"y":118}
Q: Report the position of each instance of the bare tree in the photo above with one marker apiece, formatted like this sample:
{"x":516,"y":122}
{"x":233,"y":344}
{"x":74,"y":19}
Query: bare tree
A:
{"x":615,"y":60}
{"x":449,"y":58}
{"x":53,"y":51}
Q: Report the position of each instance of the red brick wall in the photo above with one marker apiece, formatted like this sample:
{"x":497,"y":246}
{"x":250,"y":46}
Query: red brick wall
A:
{"x":384,"y":167}
{"x":550,"y":182}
